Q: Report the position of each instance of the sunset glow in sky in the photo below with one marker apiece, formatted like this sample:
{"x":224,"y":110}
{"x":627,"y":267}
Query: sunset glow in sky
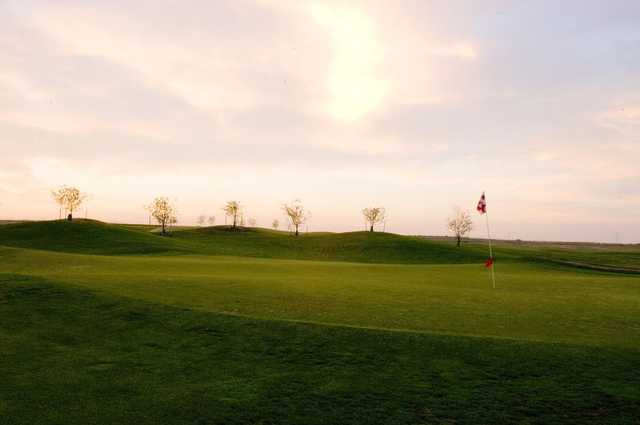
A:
{"x":417,"y":106}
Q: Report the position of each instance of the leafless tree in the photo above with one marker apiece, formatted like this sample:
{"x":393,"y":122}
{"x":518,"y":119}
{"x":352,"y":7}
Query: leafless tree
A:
{"x":202,"y":219}
{"x":233,"y":209}
{"x":172,"y":221}
{"x":164,"y":213}
{"x":275,"y":224}
{"x":297,"y":214}
{"x":211,"y":220}
{"x":69,"y":198}
{"x":460,"y":224}
{"x":373,"y":216}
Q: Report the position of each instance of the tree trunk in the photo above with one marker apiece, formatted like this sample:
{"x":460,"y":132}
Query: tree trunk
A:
{"x":459,"y":240}
{"x":371,"y":228}
{"x":70,"y":217}
{"x":234,"y":221}
{"x":163,"y":227}
{"x":296,"y":230}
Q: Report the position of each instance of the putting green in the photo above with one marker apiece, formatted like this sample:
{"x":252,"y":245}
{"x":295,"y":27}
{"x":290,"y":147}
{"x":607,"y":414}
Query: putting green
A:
{"x":531,"y":302}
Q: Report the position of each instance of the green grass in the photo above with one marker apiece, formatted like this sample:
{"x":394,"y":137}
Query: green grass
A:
{"x":84,"y":236}
{"x":255,"y":326}
{"x":354,"y":246}
{"x":531,"y":302}
{"x":93,"y":237}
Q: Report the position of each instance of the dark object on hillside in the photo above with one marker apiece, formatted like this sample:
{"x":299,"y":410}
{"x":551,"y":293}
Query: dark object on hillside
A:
{"x":69,"y":217}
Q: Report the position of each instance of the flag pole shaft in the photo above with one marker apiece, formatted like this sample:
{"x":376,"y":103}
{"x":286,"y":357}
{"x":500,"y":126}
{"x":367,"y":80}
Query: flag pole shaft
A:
{"x":493,"y":274}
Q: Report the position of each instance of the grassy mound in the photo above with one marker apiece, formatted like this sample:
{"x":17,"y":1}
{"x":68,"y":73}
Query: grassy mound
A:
{"x":365,"y":247}
{"x":94,"y":237}
{"x":83,"y":236}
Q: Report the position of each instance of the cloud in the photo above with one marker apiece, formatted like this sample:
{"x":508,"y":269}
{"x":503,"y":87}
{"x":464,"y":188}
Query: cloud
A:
{"x":187,"y":71}
{"x":398,"y":103}
{"x":458,"y":50}
{"x":623,"y":119}
{"x":17,"y":85}
{"x":355,"y":87}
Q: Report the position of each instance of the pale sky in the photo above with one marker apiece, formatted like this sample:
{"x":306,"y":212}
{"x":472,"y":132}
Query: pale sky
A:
{"x":417,"y":106}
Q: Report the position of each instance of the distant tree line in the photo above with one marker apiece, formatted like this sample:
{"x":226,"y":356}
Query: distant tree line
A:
{"x":165,"y":213}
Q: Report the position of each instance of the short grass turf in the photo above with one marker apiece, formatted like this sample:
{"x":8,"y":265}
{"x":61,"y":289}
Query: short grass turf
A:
{"x":69,"y":356}
{"x":532,"y":302}
{"x":152,"y":333}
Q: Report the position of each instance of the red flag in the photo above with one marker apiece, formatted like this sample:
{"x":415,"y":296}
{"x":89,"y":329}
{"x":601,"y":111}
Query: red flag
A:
{"x":482,"y":205}
{"x":489,"y":262}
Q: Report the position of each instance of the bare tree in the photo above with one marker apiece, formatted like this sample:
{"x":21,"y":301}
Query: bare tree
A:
{"x":202,"y":220}
{"x":211,"y":220}
{"x":460,"y":224}
{"x":172,"y":221}
{"x":373,"y":216}
{"x":233,"y":209}
{"x":297,"y":214}
{"x":275,"y":224}
{"x":69,"y":198}
{"x":252,"y":222}
{"x":164,"y":213}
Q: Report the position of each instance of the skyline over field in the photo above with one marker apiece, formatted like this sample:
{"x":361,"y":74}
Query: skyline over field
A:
{"x":415,"y":106}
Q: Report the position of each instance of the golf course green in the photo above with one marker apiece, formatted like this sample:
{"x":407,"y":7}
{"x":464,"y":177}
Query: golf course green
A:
{"x":115,"y":324}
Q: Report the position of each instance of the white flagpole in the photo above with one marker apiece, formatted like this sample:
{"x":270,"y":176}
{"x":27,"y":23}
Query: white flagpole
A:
{"x":493,"y":274}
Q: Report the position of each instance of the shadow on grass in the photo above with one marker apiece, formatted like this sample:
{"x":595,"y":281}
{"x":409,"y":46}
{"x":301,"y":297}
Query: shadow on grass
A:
{"x":75,"y":357}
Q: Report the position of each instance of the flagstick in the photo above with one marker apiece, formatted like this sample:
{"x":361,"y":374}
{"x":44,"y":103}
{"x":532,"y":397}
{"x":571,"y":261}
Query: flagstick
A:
{"x":493,"y":274}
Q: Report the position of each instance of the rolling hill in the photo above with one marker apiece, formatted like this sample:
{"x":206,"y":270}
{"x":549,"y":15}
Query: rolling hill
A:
{"x":95,"y":237}
{"x":83,"y":236}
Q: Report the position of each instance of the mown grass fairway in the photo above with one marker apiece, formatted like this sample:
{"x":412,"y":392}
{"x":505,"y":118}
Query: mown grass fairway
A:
{"x":112,"y":324}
